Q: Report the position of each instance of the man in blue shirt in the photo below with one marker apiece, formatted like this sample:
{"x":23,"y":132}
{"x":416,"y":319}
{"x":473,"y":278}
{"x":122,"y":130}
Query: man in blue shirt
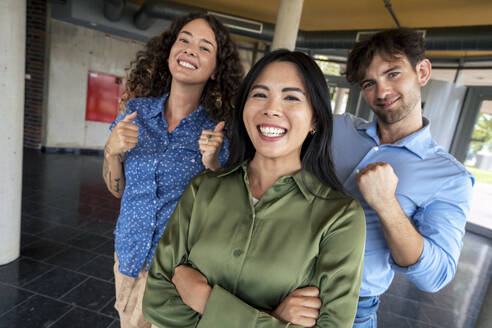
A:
{"x":415,"y":195}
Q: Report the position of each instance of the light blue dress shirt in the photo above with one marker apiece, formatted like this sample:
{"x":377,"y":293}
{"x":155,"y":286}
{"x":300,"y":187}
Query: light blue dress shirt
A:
{"x":157,"y":172}
{"x":434,"y":191}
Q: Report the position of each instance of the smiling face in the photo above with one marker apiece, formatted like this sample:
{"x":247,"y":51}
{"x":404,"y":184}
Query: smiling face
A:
{"x":392,"y":88}
{"x":192,"y":58}
{"x":278,"y":114}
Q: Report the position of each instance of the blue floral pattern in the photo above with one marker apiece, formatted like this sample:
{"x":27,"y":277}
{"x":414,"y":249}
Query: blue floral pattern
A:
{"x":157,"y":172}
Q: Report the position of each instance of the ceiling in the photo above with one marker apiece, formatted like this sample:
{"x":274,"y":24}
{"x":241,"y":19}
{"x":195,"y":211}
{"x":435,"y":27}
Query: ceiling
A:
{"x":360,"y":14}
{"x":327,"y":16}
{"x":337,"y":15}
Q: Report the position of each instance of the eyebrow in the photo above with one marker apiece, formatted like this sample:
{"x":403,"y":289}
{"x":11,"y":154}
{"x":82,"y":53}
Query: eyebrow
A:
{"x":293,"y":89}
{"x":260,"y":86}
{"x":204,"y":40}
{"x":392,"y":68}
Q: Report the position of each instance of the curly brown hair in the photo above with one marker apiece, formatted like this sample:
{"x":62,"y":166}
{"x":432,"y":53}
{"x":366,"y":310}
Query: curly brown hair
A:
{"x":149,"y":75}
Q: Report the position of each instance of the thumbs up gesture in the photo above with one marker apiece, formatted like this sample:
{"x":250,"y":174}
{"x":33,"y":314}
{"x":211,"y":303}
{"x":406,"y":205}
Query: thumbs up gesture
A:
{"x":123,"y":137}
{"x":210,"y":143}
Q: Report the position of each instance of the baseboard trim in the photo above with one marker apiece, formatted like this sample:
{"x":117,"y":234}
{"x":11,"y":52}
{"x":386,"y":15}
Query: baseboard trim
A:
{"x":72,"y":151}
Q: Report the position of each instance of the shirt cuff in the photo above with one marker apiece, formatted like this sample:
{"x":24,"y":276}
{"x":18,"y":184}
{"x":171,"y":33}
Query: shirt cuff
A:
{"x":227,"y":309}
{"x":424,"y":263}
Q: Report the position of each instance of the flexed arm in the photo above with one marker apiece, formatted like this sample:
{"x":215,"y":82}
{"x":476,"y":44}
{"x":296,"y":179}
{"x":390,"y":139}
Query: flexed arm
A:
{"x":377,"y":183}
{"x":427,"y":254}
{"x":123,"y":138}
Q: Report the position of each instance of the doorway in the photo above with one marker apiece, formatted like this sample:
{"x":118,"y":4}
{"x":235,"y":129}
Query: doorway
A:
{"x":472,"y":145}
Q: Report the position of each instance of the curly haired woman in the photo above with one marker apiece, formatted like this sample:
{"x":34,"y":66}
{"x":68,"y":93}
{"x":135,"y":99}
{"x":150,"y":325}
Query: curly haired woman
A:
{"x":178,"y":96}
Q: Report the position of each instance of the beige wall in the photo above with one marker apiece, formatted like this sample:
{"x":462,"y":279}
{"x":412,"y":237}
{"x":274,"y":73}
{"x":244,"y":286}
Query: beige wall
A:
{"x":73,"y":52}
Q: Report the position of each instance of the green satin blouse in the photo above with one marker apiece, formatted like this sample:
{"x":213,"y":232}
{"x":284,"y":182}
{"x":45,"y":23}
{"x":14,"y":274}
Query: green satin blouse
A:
{"x":254,"y":255}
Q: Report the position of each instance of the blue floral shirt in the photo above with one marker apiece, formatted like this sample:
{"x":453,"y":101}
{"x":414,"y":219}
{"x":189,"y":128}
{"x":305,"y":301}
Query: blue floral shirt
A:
{"x":157,"y":172}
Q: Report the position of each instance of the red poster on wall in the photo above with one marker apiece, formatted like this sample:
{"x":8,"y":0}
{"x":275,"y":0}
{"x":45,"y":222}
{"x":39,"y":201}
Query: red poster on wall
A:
{"x":103,"y":96}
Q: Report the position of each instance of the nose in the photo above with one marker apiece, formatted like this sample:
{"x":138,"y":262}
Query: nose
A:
{"x":273,"y":109}
{"x":271,"y":114}
{"x":189,"y":51}
{"x":382,"y":90}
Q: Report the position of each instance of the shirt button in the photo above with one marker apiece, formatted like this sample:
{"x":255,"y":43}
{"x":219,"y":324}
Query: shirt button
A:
{"x":237,"y":252}
{"x":193,"y":160}
{"x":376,"y":148}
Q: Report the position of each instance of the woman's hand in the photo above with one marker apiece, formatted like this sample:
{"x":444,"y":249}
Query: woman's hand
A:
{"x":210,"y":143}
{"x":192,"y":287}
{"x":301,"y":307}
{"x":123,"y":137}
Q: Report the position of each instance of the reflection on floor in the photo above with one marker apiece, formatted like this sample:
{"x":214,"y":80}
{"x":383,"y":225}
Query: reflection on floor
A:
{"x":64,"y":275}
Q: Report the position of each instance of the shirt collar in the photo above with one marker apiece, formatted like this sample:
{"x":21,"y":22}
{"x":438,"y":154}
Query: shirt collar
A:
{"x":301,"y":178}
{"x":194,"y":116}
{"x":228,"y":171}
{"x":418,"y":142}
{"x":156,"y":110}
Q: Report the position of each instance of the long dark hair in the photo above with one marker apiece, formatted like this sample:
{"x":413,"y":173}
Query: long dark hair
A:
{"x":316,"y":149}
{"x":149,"y":74}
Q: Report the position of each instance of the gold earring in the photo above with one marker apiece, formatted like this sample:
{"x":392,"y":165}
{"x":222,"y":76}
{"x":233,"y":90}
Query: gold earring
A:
{"x":218,"y":101}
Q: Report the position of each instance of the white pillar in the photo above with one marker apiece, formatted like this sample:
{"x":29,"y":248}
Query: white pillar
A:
{"x":12,"y":62}
{"x":287,"y":25}
{"x":339,"y":101}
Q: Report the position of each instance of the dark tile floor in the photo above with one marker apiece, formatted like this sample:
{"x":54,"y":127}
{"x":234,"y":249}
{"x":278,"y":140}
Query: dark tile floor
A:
{"x":64,"y":275}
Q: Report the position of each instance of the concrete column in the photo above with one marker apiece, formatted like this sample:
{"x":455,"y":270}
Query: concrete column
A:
{"x":339,"y":101}
{"x":287,"y":25}
{"x":12,"y":61}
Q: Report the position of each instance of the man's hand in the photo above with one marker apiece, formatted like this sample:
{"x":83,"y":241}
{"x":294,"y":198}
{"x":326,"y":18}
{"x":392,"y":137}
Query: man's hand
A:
{"x":123,"y":137}
{"x":210,"y":143}
{"x":301,"y":307}
{"x":377,"y":183}
{"x":192,"y":287}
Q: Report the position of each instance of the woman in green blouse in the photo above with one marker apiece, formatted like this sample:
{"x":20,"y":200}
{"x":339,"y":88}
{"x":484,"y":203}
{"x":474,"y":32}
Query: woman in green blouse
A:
{"x":271,"y":240}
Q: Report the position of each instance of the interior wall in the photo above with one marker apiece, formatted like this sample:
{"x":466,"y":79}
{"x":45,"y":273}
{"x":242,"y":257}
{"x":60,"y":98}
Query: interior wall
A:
{"x":443,"y":102}
{"x":36,"y":71}
{"x":74,"y":51}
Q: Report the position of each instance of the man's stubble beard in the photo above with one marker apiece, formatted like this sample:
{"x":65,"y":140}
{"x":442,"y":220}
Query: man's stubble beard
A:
{"x":397,"y":114}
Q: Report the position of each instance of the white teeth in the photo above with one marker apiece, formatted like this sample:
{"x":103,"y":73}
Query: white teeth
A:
{"x":271,"y":131}
{"x":186,"y":64}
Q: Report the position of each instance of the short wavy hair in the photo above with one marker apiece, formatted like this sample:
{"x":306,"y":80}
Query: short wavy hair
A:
{"x":390,"y":44}
{"x":148,"y":74}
